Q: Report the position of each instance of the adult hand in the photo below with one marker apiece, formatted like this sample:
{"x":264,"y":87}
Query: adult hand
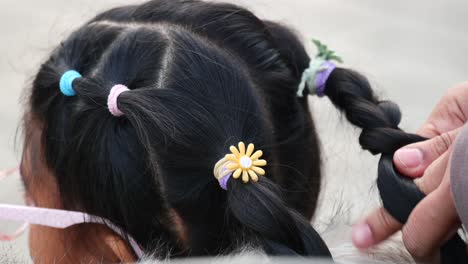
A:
{"x":434,"y":220}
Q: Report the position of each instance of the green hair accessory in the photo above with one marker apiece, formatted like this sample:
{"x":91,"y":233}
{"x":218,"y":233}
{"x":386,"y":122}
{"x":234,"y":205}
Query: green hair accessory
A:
{"x":320,"y":68}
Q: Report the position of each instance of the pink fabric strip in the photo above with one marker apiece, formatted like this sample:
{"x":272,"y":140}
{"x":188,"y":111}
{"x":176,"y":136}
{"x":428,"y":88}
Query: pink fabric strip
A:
{"x":18,"y":232}
{"x":42,"y":216}
{"x":8,"y":172}
{"x":114,"y":94}
{"x":136,"y":248}
{"x":58,"y":219}
{"x":24,"y":227}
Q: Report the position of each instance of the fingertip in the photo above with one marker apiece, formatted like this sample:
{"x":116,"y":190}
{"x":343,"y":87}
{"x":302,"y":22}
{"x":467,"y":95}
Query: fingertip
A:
{"x":362,"y":236}
{"x":377,"y":227}
{"x":409,"y":162}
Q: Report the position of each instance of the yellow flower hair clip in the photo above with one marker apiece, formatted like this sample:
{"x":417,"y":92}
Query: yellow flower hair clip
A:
{"x":241,"y":161}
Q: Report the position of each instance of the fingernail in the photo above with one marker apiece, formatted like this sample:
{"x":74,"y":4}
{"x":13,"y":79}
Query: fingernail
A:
{"x":362,"y":236}
{"x":410,"y":158}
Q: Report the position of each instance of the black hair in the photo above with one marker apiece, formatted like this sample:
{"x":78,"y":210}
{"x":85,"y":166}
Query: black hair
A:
{"x":203,"y":76}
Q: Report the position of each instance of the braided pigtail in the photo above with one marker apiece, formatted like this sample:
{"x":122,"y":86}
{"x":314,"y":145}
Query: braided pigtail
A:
{"x":255,"y":203}
{"x":379,"y":120}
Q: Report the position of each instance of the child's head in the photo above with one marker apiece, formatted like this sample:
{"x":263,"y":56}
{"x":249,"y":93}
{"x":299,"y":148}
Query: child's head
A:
{"x":202,"y":77}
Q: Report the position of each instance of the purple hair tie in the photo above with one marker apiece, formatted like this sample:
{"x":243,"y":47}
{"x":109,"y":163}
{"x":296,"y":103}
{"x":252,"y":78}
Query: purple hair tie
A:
{"x":322,"y":76}
{"x":224,"y":181}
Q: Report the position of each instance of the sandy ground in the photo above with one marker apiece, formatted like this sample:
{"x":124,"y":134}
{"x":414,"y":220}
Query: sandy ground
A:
{"x":412,"y":51}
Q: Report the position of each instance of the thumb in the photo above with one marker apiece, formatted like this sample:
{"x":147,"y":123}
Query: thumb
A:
{"x":412,"y":160}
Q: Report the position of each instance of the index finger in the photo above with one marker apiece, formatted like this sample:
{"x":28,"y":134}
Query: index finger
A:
{"x":450,"y":113}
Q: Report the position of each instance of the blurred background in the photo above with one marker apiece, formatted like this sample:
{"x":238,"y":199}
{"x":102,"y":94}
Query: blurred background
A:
{"x":412,"y":51}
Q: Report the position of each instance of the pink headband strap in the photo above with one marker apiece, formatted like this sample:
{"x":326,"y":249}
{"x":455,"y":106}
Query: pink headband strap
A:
{"x":114,"y":94}
{"x":52,"y":218}
{"x":57,"y":219}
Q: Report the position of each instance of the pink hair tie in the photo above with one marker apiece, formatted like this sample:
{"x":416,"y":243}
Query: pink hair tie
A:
{"x":114,"y":94}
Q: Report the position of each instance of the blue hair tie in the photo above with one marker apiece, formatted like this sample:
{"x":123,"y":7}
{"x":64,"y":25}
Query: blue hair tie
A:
{"x":66,"y":82}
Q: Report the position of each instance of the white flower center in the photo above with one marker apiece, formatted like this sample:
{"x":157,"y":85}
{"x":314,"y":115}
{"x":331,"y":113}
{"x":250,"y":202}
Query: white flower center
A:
{"x":245,"y":162}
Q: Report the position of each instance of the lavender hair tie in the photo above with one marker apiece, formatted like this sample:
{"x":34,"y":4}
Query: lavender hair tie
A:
{"x":224,"y":181}
{"x":322,"y":76}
